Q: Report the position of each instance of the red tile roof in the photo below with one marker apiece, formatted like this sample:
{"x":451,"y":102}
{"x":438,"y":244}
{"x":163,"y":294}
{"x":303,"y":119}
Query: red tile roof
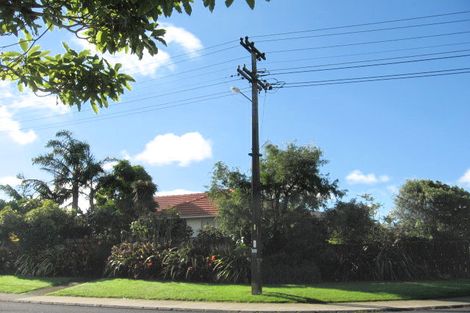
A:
{"x":188,"y":205}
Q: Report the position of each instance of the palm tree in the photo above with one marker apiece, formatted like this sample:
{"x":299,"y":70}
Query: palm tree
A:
{"x":72,"y":166}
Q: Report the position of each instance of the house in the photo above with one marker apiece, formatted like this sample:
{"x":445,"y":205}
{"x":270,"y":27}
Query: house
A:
{"x":196,"y":208}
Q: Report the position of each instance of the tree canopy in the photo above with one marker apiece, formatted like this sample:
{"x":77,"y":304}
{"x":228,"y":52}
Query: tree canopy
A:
{"x":80,"y":76}
{"x":352,"y":222}
{"x":430,"y":209}
{"x":72,"y":166}
{"x":292,"y":188}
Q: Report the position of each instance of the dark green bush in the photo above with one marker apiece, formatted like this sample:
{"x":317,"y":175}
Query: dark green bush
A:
{"x":233,"y":266}
{"x":75,"y":258}
{"x":281,"y":269}
{"x":7,"y":259}
{"x":134,"y":260}
{"x":165,"y":228}
{"x":45,"y":226}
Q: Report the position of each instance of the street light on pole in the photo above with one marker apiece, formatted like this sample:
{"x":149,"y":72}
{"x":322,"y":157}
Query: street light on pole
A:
{"x":237,"y":90}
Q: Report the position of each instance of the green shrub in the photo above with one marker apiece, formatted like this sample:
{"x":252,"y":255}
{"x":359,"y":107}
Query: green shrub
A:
{"x":72,"y":258}
{"x":166,"y":229}
{"x":281,"y":269}
{"x":10,"y":222}
{"x":45,"y":226}
{"x":184,"y":263}
{"x":7,"y":259}
{"x":212,"y":241}
{"x":233,"y":267}
{"x":134,"y":260}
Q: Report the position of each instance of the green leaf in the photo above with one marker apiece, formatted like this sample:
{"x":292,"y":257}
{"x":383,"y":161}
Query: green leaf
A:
{"x":28,"y":36}
{"x":99,"y":35}
{"x":23,"y":44}
{"x":251,"y":3}
{"x":94,"y":107}
{"x":228,"y":3}
{"x":209,"y":4}
{"x":33,"y":50}
{"x":187,"y":7}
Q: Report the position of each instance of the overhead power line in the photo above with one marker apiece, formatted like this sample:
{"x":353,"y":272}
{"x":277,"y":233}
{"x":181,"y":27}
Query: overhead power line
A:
{"x":151,"y":96}
{"x":361,"y":24}
{"x":364,"y":31}
{"x":145,"y":109}
{"x":369,"y":53}
{"x":370,"y":65}
{"x":409,"y":75}
{"x":369,"y":42}
{"x":369,"y":60}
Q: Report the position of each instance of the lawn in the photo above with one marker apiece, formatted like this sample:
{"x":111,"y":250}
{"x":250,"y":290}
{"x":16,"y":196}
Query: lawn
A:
{"x":317,"y":293}
{"x":15,"y":284}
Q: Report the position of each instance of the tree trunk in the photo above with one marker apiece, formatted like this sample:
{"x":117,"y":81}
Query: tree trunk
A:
{"x":91,"y":197}
{"x":75,"y":194}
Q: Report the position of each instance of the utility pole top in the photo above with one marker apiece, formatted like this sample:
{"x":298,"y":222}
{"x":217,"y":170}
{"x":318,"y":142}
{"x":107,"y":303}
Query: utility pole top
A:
{"x":250,"y":46}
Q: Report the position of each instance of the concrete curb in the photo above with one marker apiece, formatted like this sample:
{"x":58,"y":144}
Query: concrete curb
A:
{"x":229,"y":307}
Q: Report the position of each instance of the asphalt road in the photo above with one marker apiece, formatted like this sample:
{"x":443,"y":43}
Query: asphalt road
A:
{"x":467,"y":309}
{"x":10,"y":307}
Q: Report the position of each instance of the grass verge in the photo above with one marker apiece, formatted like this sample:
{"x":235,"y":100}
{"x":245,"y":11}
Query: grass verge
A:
{"x":317,"y":293}
{"x":15,"y":284}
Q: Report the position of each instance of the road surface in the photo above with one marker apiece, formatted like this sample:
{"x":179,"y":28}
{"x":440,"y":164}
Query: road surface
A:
{"x":11,"y":307}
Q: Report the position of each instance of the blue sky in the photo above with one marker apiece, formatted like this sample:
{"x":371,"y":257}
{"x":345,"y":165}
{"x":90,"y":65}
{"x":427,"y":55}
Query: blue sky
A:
{"x":180,"y":117}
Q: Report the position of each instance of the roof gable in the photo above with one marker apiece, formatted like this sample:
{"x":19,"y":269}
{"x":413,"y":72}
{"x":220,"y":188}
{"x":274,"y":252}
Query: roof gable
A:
{"x":188,"y":205}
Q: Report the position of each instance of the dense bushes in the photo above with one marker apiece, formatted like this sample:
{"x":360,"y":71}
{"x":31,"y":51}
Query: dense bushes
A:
{"x":7,"y":259}
{"x":121,"y":235}
{"x":134,"y":260}
{"x":82,"y":257}
{"x":210,"y":256}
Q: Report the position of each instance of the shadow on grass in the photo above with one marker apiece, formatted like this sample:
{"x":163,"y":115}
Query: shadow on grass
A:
{"x":291,"y":297}
{"x":404,"y":290}
{"x":57,"y":281}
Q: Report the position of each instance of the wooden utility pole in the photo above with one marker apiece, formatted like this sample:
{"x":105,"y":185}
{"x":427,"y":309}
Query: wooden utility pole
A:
{"x":256,"y":86}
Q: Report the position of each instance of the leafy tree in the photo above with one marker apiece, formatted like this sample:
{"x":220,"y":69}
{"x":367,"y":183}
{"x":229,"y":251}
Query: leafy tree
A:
{"x":352,"y":222}
{"x":46,"y":225}
{"x":165,"y":228}
{"x":431,"y":209}
{"x":21,"y":198}
{"x":72,"y":166}
{"x":131,"y":188}
{"x":10,"y":223}
{"x":79,"y":76}
{"x":292,"y":189}
{"x":122,"y":196}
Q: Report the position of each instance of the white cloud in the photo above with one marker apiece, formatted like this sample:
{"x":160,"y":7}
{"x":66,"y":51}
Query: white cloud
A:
{"x":125,"y":155}
{"x":12,"y":128}
{"x":10,"y":180}
{"x":357,"y":177}
{"x":175,"y":192}
{"x":28,"y":100}
{"x":131,"y":64}
{"x":393,"y":189}
{"x":108,"y":166}
{"x":13,"y":102}
{"x":190,"y":43}
{"x":31,"y":101}
{"x":465,"y":179}
{"x":148,"y":65}
{"x":170,"y":148}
